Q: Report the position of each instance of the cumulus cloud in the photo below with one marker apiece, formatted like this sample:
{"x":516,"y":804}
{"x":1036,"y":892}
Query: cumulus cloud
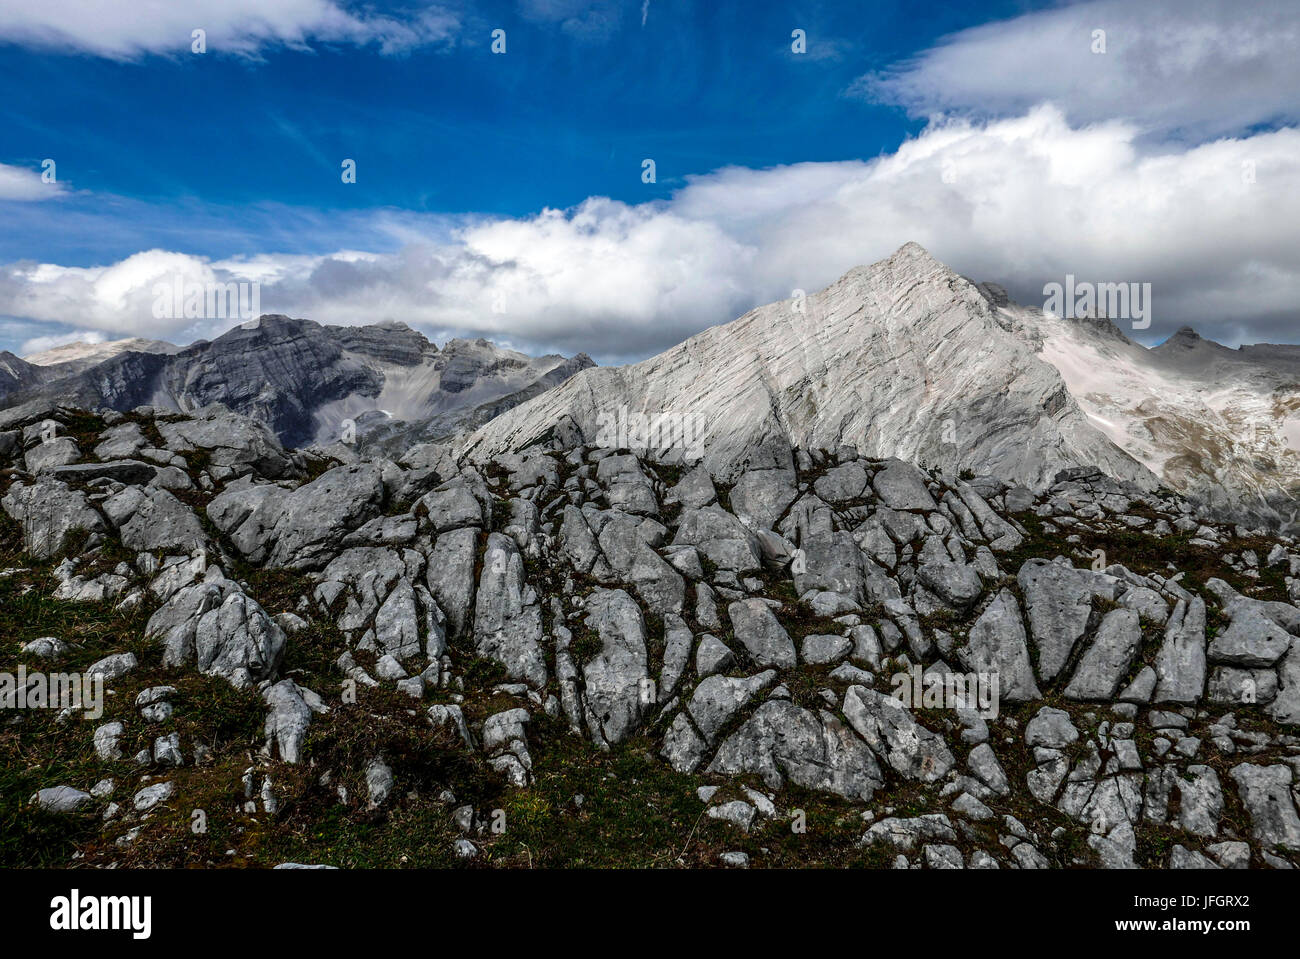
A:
{"x":1199,"y":67}
{"x":1021,"y":201}
{"x":127,"y":29}
{"x":21,"y":184}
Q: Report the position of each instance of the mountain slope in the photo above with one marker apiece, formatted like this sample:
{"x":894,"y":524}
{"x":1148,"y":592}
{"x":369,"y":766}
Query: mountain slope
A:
{"x":1219,"y":425}
{"x":16,"y":374}
{"x":903,"y":358}
{"x":308,"y":382}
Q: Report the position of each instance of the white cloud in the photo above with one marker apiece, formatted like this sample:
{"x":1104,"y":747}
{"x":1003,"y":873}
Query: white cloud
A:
{"x":1021,"y":201}
{"x":39,"y":344}
{"x":1201,"y":67}
{"x":127,"y":29}
{"x":20,"y":183}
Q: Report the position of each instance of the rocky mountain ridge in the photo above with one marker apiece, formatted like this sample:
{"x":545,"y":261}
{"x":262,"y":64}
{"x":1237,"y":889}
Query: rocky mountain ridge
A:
{"x":905,"y":358}
{"x":383,"y":383}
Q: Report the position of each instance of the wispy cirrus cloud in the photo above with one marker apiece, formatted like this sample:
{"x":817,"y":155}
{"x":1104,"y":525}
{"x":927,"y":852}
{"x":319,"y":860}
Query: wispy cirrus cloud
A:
{"x":591,"y":20}
{"x":129,"y":29}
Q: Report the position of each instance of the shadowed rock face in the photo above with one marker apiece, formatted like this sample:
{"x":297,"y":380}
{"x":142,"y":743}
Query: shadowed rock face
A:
{"x":16,"y":374}
{"x":305,"y":381}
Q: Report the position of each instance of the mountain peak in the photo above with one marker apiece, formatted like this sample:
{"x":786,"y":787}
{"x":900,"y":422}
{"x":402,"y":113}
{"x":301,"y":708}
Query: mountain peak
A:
{"x":896,"y":358}
{"x":911,"y":250}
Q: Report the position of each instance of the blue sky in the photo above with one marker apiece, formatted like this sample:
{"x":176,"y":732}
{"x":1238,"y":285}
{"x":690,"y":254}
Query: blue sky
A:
{"x":452,"y":128}
{"x":227,"y":163}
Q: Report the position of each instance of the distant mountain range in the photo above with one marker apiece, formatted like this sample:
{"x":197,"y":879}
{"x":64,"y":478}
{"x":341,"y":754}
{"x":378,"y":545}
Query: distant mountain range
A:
{"x":311,"y":384}
{"x":903,"y":358}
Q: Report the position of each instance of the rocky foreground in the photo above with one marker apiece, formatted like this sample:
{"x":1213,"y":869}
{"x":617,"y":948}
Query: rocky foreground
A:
{"x":600,"y":658}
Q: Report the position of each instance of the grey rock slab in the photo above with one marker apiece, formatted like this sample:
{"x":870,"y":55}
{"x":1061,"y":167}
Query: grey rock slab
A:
{"x":906,"y":834}
{"x":1107,"y":658}
{"x":902,"y":486}
{"x":450,"y":576}
{"x":150,"y":796}
{"x":127,"y":471}
{"x":233,"y":442}
{"x":61,"y":799}
{"x":1201,"y":801}
{"x":50,"y":455}
{"x":683,"y":748}
{"x":760,"y":497}
{"x":149,"y":520}
{"x":820,"y":648}
{"x":718,"y":698}
{"x":288,"y":719}
{"x":737,"y":812}
{"x":842,"y":483}
{"x":781,"y":741}
{"x":957,"y":584}
{"x":659,"y":585}
{"x":694,"y":490}
{"x":1147,"y":603}
{"x":983,"y":762}
{"x":1267,"y":795}
{"x":1180,"y":663}
{"x":452,"y":505}
{"x":1250,"y":640}
{"x":224,"y":632}
{"x":1285,"y":707}
{"x":616,"y":679}
{"x":379,"y":782}
{"x":508,"y":616}
{"x":997,"y":645}
{"x":1230,"y":685}
{"x":1051,"y":728}
{"x":113,"y":667}
{"x":761,"y":633}
{"x":719,"y":537}
{"x":50,"y":514}
{"x":1180,"y":857}
{"x":1058,"y":601}
{"x":833,"y":562}
{"x":712,"y":656}
{"x":107,"y":738}
{"x":889,"y":728}
{"x":678,"y":642}
{"x":300,"y":528}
